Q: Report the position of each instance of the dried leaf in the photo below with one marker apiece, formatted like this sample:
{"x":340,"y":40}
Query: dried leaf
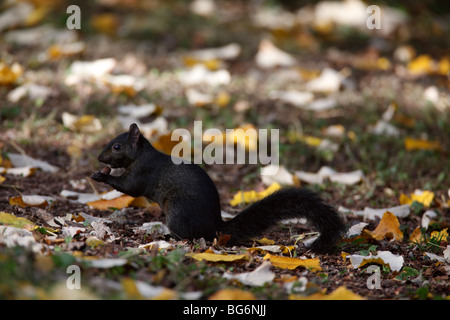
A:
{"x":117,"y":203}
{"x":252,"y":196}
{"x":424,"y":197}
{"x":213,"y":257}
{"x":395,"y":262}
{"x":341,"y":293}
{"x":9,"y":219}
{"x":85,"y":123}
{"x":269,"y":56}
{"x":421,"y":144}
{"x":232,"y":294}
{"x":416,"y":235}
{"x":293,"y":263}
{"x":31,"y":201}
{"x":9,"y":74}
{"x":423,"y":64}
{"x":387,"y":228}
{"x":257,"y":277}
{"x":441,"y":235}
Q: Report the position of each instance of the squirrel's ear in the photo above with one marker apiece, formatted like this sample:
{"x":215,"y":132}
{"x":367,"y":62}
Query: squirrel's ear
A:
{"x":133,"y":134}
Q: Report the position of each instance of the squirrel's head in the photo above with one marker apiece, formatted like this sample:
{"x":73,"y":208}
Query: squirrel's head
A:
{"x":122,"y":150}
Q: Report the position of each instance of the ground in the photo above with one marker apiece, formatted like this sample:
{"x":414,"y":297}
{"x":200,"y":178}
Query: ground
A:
{"x":398,"y":82}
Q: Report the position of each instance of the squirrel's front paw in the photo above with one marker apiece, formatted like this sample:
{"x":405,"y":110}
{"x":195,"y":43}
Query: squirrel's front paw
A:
{"x":99,"y":176}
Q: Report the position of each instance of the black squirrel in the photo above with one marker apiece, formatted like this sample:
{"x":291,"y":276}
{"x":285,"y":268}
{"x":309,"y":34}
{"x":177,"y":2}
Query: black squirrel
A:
{"x":190,"y":200}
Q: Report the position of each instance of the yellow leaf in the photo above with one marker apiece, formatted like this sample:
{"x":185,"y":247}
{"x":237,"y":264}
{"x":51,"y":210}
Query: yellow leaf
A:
{"x":387,"y":228}
{"x":341,"y":293}
{"x":9,"y":219}
{"x":440,"y":235}
{"x":117,"y":203}
{"x":2,"y":179}
{"x":416,"y":235}
{"x":444,"y":66}
{"x":423,"y":64}
{"x":94,"y":242}
{"x":293,"y":263}
{"x":9,"y":74}
{"x":107,"y":23}
{"x":211,"y":64}
{"x":383,"y":63}
{"x":165,"y":144}
{"x":265,"y":241}
{"x":232,"y":294}
{"x":223,"y":99}
{"x":86,"y":123}
{"x":424,"y":197}
{"x":29,"y":201}
{"x":130,"y":289}
{"x":420,"y":144}
{"x":253,"y":196}
{"x":245,"y":137}
{"x":212,"y":257}
{"x":312,"y":141}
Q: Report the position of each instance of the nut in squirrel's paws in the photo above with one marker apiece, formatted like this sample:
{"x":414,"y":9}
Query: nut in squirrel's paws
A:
{"x":100,"y":175}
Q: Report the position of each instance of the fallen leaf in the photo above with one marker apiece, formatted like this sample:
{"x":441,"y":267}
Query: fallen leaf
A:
{"x":416,"y":235}
{"x":276,"y":174}
{"x":401,"y":211}
{"x":85,"y":123}
{"x":293,"y":263}
{"x":423,"y":64}
{"x":117,"y":203}
{"x":31,"y":201}
{"x":341,"y":293}
{"x":440,"y":235}
{"x":347,"y":178}
{"x":387,"y":228}
{"x":257,"y":277}
{"x":265,"y":241}
{"x":252,"y":196}
{"x":227,"y":52}
{"x":107,"y":23}
{"x":426,"y":218}
{"x":269,"y":56}
{"x":23,"y":162}
{"x":329,"y":81}
{"x":421,"y":144}
{"x":232,"y":294}
{"x":9,"y":219}
{"x":424,"y":197}
{"x":272,"y":248}
{"x":395,"y":262}
{"x":200,"y":75}
{"x":245,"y":136}
{"x":213,"y":257}
{"x":9,"y":73}
{"x":57,"y":51}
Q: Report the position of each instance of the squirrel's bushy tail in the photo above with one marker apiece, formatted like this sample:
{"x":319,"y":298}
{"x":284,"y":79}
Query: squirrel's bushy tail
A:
{"x":284,"y":204}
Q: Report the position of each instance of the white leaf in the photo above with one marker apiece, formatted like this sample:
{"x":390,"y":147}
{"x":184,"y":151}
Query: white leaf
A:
{"x":258,"y":277}
{"x":401,"y":211}
{"x":22,"y":160}
{"x":282,"y":176}
{"x":200,"y":75}
{"x":356,"y":229}
{"x":394,"y":261}
{"x":228,"y":52}
{"x":328,"y":81}
{"x":106,"y":263}
{"x":269,"y":56}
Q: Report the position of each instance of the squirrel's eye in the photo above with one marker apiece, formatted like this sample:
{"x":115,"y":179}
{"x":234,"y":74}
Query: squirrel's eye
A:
{"x":117,"y":146}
